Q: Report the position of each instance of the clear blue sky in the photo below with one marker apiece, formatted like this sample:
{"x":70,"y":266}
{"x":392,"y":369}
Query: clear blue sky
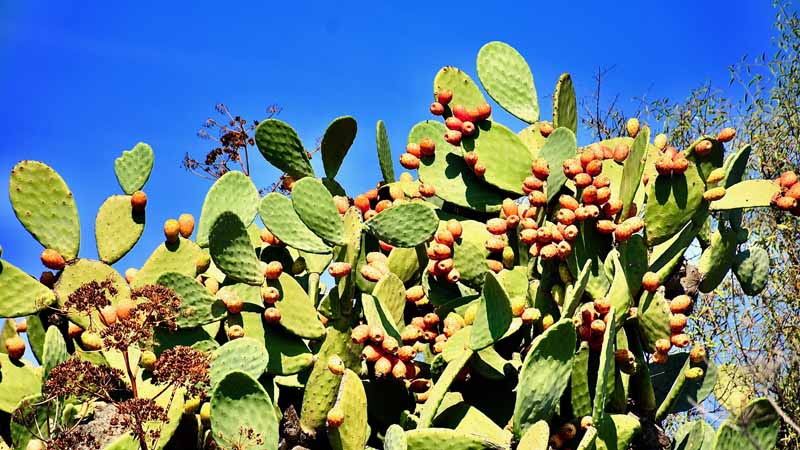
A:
{"x":81,"y":81}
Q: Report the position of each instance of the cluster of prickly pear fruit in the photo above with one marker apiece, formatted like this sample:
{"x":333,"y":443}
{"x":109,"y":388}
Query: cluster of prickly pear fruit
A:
{"x":513,"y":296}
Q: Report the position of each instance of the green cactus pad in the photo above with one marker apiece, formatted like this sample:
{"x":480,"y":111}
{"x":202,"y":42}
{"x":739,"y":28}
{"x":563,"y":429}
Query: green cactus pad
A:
{"x":444,"y":439}
{"x":588,"y":440}
{"x":392,"y":294}
{"x":232,"y":252}
{"x":404,"y":262}
{"x":352,"y":434}
{"x":469,"y":253}
{"x":198,"y":306}
{"x":653,"y":315}
{"x":532,"y":138}
{"x":461,"y":416}
{"x":544,"y":376}
{"x":55,"y":349}
{"x":756,"y":428}
{"x":314,"y":205}
{"x":82,"y":272}
{"x":240,"y":404}
{"x":465,"y":91}
{"x":565,"y":107}
{"x":508,"y":80}
{"x":675,"y":393}
{"x":117,"y":228}
{"x":751,"y":268}
{"x":35,"y":334}
{"x":281,"y":147}
{"x":239,"y":355}
{"x":536,"y":438}
{"x":605,"y":371}
{"x":338,"y":138}
{"x":180,"y":257}
{"x":233,"y":192}
{"x":44,"y":205}
{"x":633,"y":257}
{"x":395,"y":438}
{"x":616,"y":432}
{"x":384,"y":152}
{"x":694,"y":435}
{"x":280,"y":218}
{"x":736,"y":166}
{"x":733,"y":389}
{"x":671,"y":203}
{"x":288,"y":354}
{"x":717,"y":259}
{"x":574,"y":292}
{"x":668,"y":254}
{"x":17,"y":381}
{"x":20,"y":294}
{"x":490,"y":365}
{"x":705,"y":164}
{"x":581,"y":398}
{"x":298,"y":314}
{"x":377,"y":315}
{"x":133,"y":168}
{"x":452,"y":178}
{"x":322,"y":386}
{"x":494,"y":314}
{"x":747,"y":194}
{"x":404,"y":225}
{"x":619,"y":294}
{"x":507,"y":159}
{"x":633,"y":169}
{"x":560,"y":145}
{"x":438,"y":391}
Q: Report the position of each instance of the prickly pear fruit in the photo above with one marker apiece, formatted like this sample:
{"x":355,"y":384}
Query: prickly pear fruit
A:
{"x":632,"y":126}
{"x":273,"y":270}
{"x":138,"y":201}
{"x":335,"y":417}
{"x":52,"y":259}
{"x":186,"y":225}
{"x":15,"y":347}
{"x":148,"y":360}
{"x":650,"y":282}
{"x":726,"y":135}
{"x":171,"y":230}
{"x":714,"y":194}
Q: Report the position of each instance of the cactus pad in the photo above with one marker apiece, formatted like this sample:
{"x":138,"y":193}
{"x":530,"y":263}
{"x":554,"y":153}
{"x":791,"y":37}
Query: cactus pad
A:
{"x":444,"y":439}
{"x":674,"y":392}
{"x":117,"y":228}
{"x":757,"y":428}
{"x":536,"y":438}
{"x":44,"y":205}
{"x":239,"y":404}
{"x":751,"y":268}
{"x":55,"y":349}
{"x":377,"y":315}
{"x":465,"y":91}
{"x":560,"y":145}
{"x":352,"y":399}
{"x":717,"y":259}
{"x":632,"y":170}
{"x":180,"y":257}
{"x":298,"y":314}
{"x":82,"y":272}
{"x":532,"y":138}
{"x":281,"y":147}
{"x":404,"y":225}
{"x":384,"y":152}
{"x":653,"y":320}
{"x":565,"y":106}
{"x":736,"y":165}
{"x":747,"y":194}
{"x":494,"y":314}
{"x":450,"y":175}
{"x":314,"y":205}
{"x":133,"y":168}
{"x":198,"y":307}
{"x":439,"y":390}
{"x":505,"y":75}
{"x":338,"y":138}
{"x":708,"y":162}
{"x":280,"y":218}
{"x":619,"y":294}
{"x":288,"y":354}
{"x":233,"y":192}
{"x":232,"y":252}
{"x":239,"y":355}
{"x":671,"y":202}
{"x":605,"y":371}
{"x":17,"y":381}
{"x":616,"y":431}
{"x":544,"y":375}
{"x":395,"y":438}
{"x":392,"y":295}
{"x":20,"y":294}
{"x":469,"y":253}
{"x":507,"y":159}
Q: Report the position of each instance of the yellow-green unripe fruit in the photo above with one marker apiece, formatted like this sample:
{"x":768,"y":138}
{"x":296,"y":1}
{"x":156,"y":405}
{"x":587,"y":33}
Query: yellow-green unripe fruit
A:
{"x":191,"y":406}
{"x":660,"y":141}
{"x":205,"y":413}
{"x":148,"y":360}
{"x":716,"y":176}
{"x":694,"y":373}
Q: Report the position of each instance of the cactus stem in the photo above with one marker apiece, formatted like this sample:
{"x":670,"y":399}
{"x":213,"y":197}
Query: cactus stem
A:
{"x":313,"y":288}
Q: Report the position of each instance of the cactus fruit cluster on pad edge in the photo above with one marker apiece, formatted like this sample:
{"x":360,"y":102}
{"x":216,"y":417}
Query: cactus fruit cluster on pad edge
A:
{"x":521,"y":293}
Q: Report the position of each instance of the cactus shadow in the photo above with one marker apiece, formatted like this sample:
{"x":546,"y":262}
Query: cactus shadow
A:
{"x":675,"y":187}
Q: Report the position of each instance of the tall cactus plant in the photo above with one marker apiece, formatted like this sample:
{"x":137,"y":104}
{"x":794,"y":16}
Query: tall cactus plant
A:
{"x":518,"y":294}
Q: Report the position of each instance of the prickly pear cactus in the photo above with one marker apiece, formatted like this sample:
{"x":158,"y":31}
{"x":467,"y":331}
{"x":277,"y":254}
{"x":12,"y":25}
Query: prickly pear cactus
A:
{"x":515,"y":290}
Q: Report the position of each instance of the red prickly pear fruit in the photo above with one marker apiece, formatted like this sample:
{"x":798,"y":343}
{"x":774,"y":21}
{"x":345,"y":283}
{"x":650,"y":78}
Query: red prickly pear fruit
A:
{"x":571,"y":167}
{"x":632,"y":126}
{"x":453,"y":123}
{"x":267,"y":237}
{"x":703,"y":147}
{"x":186,"y":225}
{"x":479,"y":169}
{"x":660,"y":358}
{"x":621,"y":153}
{"x":680,"y":340}
{"x":786,"y":203}
{"x":455,"y":228}
{"x":360,"y":334}
{"x":35,"y":444}
{"x":589,"y":195}
{"x":531,"y":183}
{"x":612,"y":207}
{"x":108,"y":314}
{"x":546,"y":129}
{"x":52,"y":259}
{"x":512,"y":221}
{"x":376,"y":334}
{"x":138,"y":201}
{"x":427,"y":190}
{"x":414,"y":149}
{"x":680,"y":304}
{"x":698,"y":354}
{"x":603,"y":195}
{"x":272,"y":315}
{"x":445,"y":96}
{"x":528,"y":224}
{"x":549,"y":252}
{"x":583,"y":180}
{"x":372,"y":194}
{"x":471,"y":158}
{"x":406,"y":353}
{"x":415,"y":294}
{"x":339,"y":269}
{"x":444,"y":266}
{"x":383,"y":204}
{"x":586,"y":422}
{"x":233,"y":303}
{"x":336,"y":365}
{"x":495,"y":244}
{"x":342,"y":204}
{"x":371,"y":273}
{"x":371,"y":353}
{"x":273,"y":270}
{"x":570,"y":232}
{"x":598,"y":327}
{"x":794,"y":191}
{"x":172,"y":230}
{"x":664,"y":165}
{"x":787,"y":179}
{"x":567,"y":431}
{"x":680,"y":165}
{"x":409,"y":161}
{"x":601,"y":181}
{"x":726,"y":135}
{"x":606,"y":226}
{"x":270,"y":295}
{"x":74,"y":331}
{"x":650,"y":282}
{"x":714,"y":194}
{"x":389,"y":344}
{"x":623,"y":232}
{"x":602,"y":305}
{"x":494,"y":266}
{"x":22,"y":326}
{"x":594,"y":168}
{"x":453,"y":137}
{"x":437,"y":109}
{"x":565,"y":216}
{"x":537,"y":198}
{"x":400,"y":370}
{"x":383,"y":366}
{"x":15,"y":347}
{"x":547,"y":321}
{"x":484,"y":111}
{"x":663,"y":345}
{"x":125,"y":308}
{"x":335,"y":417}
{"x":568,"y":202}
{"x":427,"y":147}
{"x":91,"y":340}
{"x":496,"y":226}
{"x":660,"y":141}
{"x":370,"y":214}
{"x":48,"y":278}
{"x":430,"y":320}
{"x":677,"y":322}
{"x":540,"y":168}
{"x":586,"y":157}
{"x":467,"y":128}
{"x":461,"y":113}
{"x":530,"y":315}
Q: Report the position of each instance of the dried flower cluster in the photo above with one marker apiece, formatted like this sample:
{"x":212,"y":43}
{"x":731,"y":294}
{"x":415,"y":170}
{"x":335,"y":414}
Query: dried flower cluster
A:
{"x":185,"y":367}
{"x":91,"y":296}
{"x":159,"y":310}
{"x":135,"y":413}
{"x":84,"y":380}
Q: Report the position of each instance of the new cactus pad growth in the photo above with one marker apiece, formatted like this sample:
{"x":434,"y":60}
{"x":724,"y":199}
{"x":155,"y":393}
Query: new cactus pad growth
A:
{"x":518,"y":292}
